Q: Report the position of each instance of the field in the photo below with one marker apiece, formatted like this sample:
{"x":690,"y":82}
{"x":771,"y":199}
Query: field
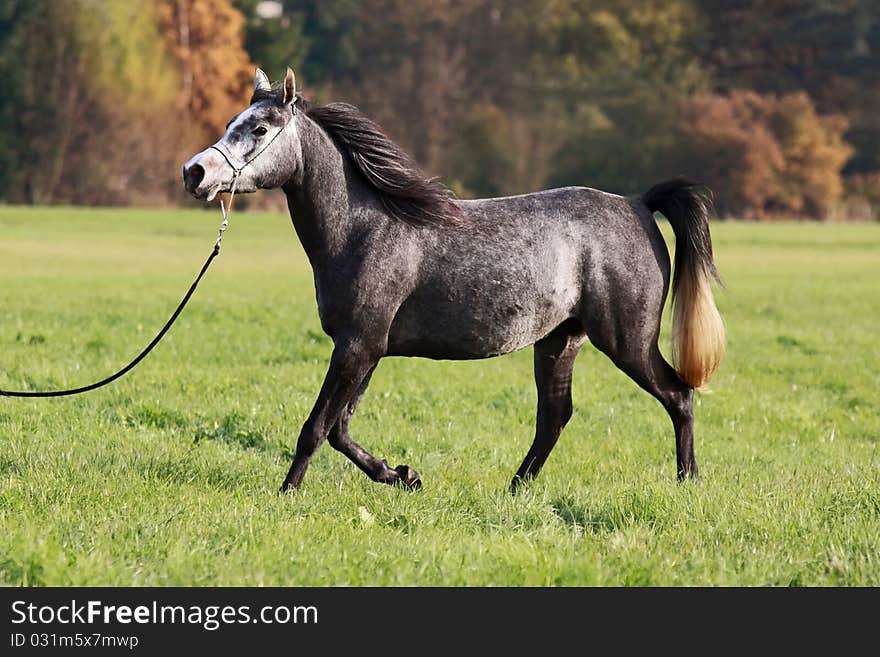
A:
{"x":169,"y":477}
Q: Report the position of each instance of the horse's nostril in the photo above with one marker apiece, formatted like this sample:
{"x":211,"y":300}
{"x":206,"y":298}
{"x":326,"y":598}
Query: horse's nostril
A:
{"x":193,"y":176}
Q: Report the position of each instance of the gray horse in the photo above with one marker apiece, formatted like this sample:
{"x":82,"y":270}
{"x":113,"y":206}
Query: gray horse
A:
{"x":403,"y":269}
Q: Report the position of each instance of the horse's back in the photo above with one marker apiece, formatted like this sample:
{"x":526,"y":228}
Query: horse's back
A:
{"x":545,"y":201}
{"x":605,"y":233}
{"x":518,"y":267}
{"x":614,"y":239}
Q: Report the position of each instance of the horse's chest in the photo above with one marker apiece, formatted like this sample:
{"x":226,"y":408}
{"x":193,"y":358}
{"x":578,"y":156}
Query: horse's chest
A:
{"x":329,"y":310}
{"x":356,"y":303}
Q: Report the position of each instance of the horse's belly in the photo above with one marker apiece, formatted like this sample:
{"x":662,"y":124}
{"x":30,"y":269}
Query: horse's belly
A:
{"x":467,"y":326}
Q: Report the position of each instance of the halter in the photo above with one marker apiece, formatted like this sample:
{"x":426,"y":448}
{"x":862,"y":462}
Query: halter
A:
{"x":236,"y":172}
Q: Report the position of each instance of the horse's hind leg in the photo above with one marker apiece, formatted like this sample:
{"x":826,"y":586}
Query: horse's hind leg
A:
{"x":655,"y":375}
{"x":554,"y":362}
{"x":375,"y":468}
{"x":636,"y":353}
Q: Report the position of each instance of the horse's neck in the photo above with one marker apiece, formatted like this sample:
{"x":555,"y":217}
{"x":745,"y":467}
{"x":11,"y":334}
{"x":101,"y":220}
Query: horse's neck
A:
{"x":318,"y":198}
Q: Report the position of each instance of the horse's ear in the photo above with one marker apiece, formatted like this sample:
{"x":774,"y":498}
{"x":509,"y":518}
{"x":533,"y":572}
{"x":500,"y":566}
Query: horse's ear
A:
{"x":289,"y":88}
{"x":261,"y":81}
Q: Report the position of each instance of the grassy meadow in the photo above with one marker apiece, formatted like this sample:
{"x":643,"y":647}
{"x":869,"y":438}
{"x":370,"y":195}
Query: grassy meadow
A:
{"x":169,"y":477}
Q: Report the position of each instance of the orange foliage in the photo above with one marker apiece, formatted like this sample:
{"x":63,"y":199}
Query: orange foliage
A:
{"x":766,"y":155}
{"x":206,"y":38}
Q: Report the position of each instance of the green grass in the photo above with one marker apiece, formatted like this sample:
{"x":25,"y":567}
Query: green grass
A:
{"x":169,"y":477}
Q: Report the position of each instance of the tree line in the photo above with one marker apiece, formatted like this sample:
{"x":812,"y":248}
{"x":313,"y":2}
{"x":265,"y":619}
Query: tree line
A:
{"x":775,"y":105}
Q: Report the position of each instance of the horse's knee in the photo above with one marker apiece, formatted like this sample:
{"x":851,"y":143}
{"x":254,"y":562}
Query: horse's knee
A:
{"x":310,"y":438}
{"x":553,"y":415}
{"x":565,"y":413}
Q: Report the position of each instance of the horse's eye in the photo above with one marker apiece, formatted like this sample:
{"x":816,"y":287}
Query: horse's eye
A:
{"x":259,"y":131}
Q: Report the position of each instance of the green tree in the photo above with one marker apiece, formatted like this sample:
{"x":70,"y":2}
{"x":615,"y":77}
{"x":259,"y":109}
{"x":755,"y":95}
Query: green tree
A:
{"x":623,"y":68}
{"x":274,"y":41}
{"x":76,"y":81}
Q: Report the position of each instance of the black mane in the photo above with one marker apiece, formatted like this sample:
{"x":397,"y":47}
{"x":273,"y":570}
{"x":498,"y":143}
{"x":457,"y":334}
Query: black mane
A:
{"x":405,"y":191}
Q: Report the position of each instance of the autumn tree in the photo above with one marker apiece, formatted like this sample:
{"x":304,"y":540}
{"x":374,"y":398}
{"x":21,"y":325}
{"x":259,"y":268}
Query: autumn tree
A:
{"x":827,"y":48}
{"x":496,"y":97}
{"x":206,"y":41}
{"x":765,"y":155}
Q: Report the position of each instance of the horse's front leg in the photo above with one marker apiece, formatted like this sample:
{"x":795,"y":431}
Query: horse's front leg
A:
{"x":376,"y":469}
{"x":350,"y":363}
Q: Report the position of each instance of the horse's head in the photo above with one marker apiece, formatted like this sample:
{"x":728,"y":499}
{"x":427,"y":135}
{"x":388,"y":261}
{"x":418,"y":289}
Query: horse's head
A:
{"x":260,"y":148}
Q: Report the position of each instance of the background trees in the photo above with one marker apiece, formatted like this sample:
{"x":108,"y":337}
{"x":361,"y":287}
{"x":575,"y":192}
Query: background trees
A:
{"x":80,"y":83}
{"x":775,"y":105}
{"x":765,"y":155}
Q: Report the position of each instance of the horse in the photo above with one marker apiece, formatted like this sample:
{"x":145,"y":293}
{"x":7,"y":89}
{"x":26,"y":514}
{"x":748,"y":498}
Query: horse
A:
{"x":402,"y":268}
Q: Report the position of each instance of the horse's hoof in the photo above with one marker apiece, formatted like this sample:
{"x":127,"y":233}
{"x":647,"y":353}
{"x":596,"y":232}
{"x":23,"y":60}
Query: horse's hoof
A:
{"x":689,"y":473}
{"x":409,"y":478}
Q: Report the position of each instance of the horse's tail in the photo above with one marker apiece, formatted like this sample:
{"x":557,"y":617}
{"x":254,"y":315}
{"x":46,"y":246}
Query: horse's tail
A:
{"x":698,"y":340}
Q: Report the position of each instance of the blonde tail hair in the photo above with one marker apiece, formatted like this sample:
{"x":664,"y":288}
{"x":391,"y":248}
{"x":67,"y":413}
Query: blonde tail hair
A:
{"x":698,"y":339}
{"x":698,"y":336}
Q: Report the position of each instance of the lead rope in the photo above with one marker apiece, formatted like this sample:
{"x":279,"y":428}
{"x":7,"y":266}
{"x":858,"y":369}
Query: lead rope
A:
{"x":224,"y":209}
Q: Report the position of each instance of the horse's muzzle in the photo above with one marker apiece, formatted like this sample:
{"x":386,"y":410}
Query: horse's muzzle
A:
{"x":193,"y":175}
